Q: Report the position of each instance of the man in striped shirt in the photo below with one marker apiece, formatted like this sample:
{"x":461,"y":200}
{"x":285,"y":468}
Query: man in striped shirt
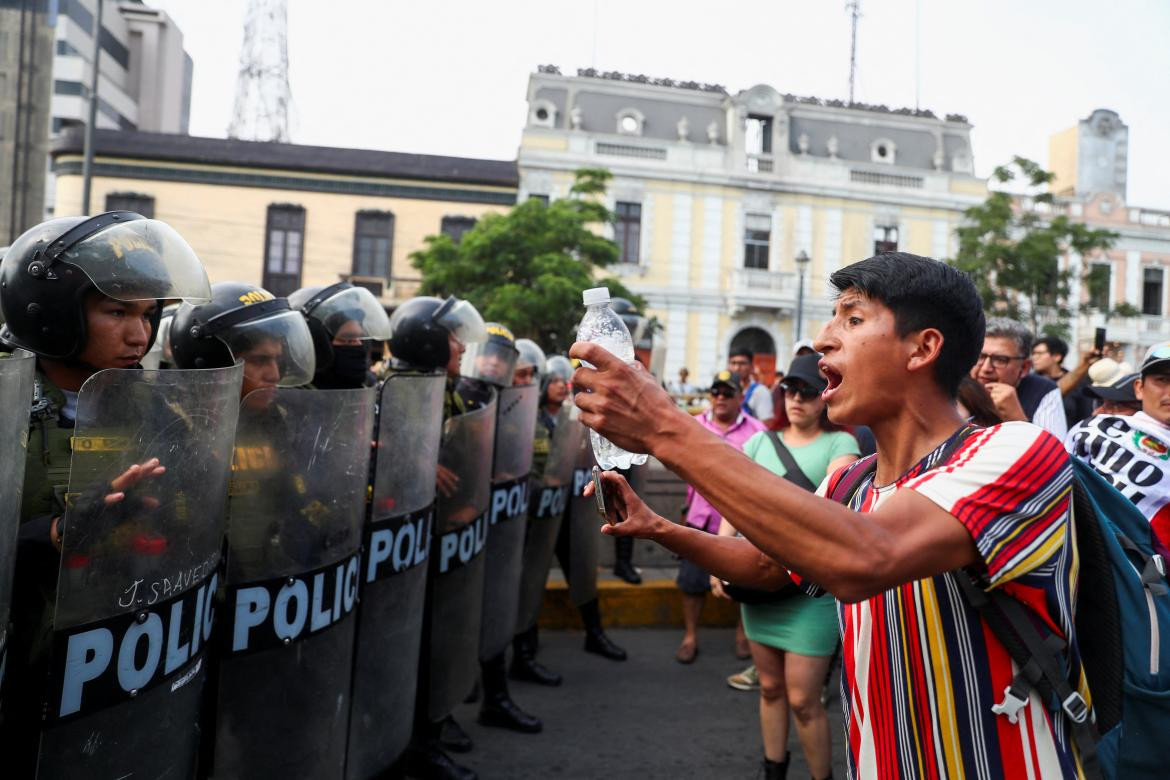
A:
{"x":922,"y":672}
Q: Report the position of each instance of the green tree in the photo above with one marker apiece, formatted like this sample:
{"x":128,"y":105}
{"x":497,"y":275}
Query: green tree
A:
{"x":1013,"y":254}
{"x":528,"y":267}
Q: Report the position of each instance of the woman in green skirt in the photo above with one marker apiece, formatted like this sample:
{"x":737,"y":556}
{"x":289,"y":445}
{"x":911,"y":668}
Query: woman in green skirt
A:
{"x":793,"y":640}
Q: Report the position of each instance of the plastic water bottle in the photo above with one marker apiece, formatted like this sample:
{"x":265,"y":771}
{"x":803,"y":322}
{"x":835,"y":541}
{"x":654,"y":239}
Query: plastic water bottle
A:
{"x":603,"y":327}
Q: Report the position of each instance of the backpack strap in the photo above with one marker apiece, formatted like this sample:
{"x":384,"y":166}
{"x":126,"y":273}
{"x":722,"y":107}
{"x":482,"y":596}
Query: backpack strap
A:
{"x":1039,"y":654}
{"x":845,"y":484}
{"x":792,"y":471}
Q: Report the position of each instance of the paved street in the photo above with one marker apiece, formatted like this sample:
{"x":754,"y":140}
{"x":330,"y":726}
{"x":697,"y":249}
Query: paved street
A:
{"x":648,"y":717}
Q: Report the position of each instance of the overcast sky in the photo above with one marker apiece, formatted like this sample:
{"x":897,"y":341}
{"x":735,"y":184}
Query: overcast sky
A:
{"x":449,"y":77}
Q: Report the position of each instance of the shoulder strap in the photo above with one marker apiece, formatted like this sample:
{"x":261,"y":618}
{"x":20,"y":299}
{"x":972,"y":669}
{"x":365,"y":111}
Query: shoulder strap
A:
{"x":792,"y":471}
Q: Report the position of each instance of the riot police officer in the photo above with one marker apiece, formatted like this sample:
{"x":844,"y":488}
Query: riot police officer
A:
{"x":84,"y":295}
{"x":344,"y":320}
{"x":430,"y":332}
{"x":494,"y":362}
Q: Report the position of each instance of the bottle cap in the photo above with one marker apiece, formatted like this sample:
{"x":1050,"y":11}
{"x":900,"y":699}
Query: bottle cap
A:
{"x":595,"y":295}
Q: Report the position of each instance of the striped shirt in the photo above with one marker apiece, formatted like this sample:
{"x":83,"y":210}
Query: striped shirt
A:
{"x":921,"y":669}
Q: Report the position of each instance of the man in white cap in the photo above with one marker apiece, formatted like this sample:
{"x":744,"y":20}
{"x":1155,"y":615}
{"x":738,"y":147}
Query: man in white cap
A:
{"x":1133,"y":452}
{"x":1111,"y":387}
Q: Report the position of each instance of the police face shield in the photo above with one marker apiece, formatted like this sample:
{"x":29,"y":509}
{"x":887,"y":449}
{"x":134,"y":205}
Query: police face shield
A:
{"x":560,"y":366}
{"x":353,"y":315}
{"x":134,"y":260}
{"x":490,"y":361}
{"x":462,"y":320}
{"x":277,"y":351}
{"x":529,"y":364}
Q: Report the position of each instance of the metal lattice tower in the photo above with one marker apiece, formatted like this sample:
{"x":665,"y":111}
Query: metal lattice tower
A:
{"x":854,"y":9}
{"x":263,"y":96}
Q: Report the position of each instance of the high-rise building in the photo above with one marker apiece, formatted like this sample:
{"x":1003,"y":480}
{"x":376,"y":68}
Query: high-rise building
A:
{"x":26,"y":65}
{"x":144,"y":83}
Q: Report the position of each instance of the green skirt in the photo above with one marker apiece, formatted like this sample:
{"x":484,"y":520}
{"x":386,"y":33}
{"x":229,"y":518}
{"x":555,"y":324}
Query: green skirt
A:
{"x":800,"y":624}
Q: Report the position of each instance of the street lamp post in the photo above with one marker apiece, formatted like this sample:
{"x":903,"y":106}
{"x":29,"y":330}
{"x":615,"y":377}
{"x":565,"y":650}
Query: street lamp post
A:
{"x":802,"y":261}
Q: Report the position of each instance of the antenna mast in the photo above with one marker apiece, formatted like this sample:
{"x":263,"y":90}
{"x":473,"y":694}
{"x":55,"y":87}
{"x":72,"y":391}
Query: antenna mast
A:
{"x":263,"y":96}
{"x":854,"y":9}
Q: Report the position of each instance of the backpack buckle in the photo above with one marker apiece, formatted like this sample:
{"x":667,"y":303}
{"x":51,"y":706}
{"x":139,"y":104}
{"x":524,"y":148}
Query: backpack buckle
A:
{"x":1075,"y":707}
{"x":1159,"y":564}
{"x":1012,"y":704}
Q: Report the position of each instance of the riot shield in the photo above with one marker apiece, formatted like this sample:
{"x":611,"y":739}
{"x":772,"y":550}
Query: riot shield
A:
{"x":546,"y":508}
{"x":583,"y":522}
{"x":456,"y":588}
{"x":139,"y":569}
{"x":16,"y":383}
{"x":397,"y":540}
{"x":515,"y":425}
{"x":297,"y":502}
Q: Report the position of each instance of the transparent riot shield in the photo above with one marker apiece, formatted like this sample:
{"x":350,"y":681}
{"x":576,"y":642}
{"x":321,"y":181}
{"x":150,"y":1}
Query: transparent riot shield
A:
{"x":16,"y":383}
{"x":397,"y":540}
{"x":456,"y":588}
{"x":583,"y":524}
{"x":140,"y":561}
{"x":515,"y":424}
{"x":548,"y":499}
{"x":297,"y":503}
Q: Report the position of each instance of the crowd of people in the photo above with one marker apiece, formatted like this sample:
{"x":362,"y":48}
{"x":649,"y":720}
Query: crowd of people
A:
{"x":358,"y":593}
{"x":970,"y":492}
{"x":906,"y":489}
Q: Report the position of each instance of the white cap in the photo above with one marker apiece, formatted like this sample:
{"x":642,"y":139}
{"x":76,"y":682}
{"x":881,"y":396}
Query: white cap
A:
{"x":595,"y":295}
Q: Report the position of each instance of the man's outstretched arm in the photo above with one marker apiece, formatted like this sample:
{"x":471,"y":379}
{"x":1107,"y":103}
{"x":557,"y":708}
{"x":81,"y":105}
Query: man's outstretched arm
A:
{"x":852,"y":555}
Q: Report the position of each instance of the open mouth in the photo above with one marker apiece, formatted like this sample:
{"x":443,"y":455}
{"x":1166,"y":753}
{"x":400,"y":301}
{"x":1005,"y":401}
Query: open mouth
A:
{"x":833,"y":376}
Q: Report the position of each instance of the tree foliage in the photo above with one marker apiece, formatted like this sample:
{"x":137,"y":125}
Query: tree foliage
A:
{"x":1013,"y":254}
{"x":527,"y":268}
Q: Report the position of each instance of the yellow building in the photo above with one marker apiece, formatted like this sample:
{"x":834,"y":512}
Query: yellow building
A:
{"x":282,"y":215}
{"x":718,"y":195}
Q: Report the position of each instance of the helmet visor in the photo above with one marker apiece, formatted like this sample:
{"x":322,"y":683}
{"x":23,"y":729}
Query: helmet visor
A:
{"x":490,"y":361}
{"x":276,"y":350}
{"x":559,"y":366}
{"x":353,"y":314}
{"x":463,"y":321}
{"x":139,"y":260}
{"x":530,"y":355}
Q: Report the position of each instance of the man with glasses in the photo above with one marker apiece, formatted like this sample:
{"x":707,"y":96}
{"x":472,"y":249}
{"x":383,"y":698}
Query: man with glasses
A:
{"x":727,"y":420}
{"x":1132,"y":451}
{"x":757,"y":400}
{"x":1004,"y":367}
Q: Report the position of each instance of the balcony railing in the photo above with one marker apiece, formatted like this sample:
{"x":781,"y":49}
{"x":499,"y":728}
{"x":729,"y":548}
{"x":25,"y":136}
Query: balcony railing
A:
{"x":759,"y":163}
{"x":754,"y":280}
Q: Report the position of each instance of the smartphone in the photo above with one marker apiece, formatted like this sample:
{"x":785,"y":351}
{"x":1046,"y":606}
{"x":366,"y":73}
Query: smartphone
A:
{"x":599,"y":494}
{"x":1099,"y":339}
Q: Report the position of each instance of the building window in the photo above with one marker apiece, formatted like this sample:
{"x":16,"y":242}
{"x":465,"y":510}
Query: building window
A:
{"x":455,"y":227}
{"x":883,"y":151}
{"x":542,"y":198}
{"x":758,"y":134}
{"x":284,"y":249}
{"x":131,"y":201}
{"x":1099,"y":281}
{"x":373,"y":238}
{"x":885,"y":239}
{"x":627,"y":231}
{"x":1152,"y":291}
{"x":756,"y":235}
{"x":630,"y":121}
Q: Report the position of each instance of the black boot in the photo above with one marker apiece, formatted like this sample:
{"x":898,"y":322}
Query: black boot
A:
{"x":524,"y":663}
{"x":452,"y":736}
{"x":776,"y":770}
{"x":595,"y":639}
{"x":498,"y":709}
{"x":623,"y":562}
{"x":427,"y":761}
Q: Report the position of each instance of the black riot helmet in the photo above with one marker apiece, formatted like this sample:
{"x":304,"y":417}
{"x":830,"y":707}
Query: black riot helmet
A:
{"x":239,"y":317}
{"x":494,"y":359}
{"x":340,"y":311}
{"x":50,"y":269}
{"x":420,"y":327}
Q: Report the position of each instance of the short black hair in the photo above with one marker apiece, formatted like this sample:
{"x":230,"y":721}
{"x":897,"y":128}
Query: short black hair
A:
{"x":737,"y":351}
{"x":924,"y":293}
{"x":1054,"y":344}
